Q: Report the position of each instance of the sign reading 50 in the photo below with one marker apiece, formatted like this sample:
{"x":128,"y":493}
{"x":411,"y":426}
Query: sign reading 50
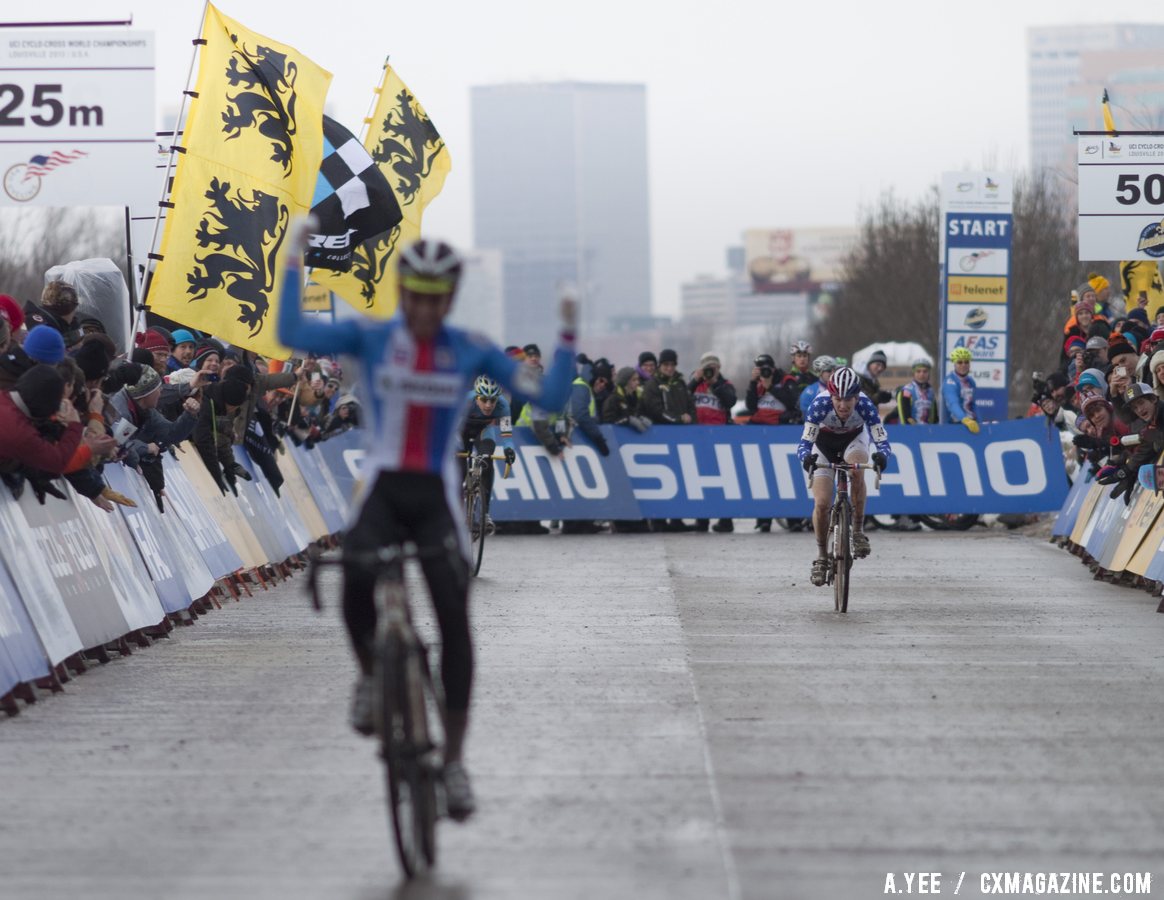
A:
{"x":1131,"y":189}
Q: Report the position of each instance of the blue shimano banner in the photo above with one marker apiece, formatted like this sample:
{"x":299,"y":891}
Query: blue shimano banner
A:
{"x":749,"y":471}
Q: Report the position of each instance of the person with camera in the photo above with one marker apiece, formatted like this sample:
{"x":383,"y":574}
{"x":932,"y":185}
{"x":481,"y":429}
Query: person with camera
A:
{"x":1051,"y":399}
{"x":714,"y":398}
{"x":771,"y":397}
{"x":1148,"y":427}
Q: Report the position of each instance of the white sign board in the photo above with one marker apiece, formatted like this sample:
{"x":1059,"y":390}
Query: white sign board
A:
{"x":76,"y":117}
{"x":1121,"y":197}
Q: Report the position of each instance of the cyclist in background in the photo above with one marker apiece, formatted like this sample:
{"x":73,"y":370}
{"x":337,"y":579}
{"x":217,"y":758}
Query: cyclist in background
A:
{"x":837,"y":427}
{"x":803,"y":374}
{"x":958,"y":392}
{"x":915,"y":401}
{"x":823,"y":367}
{"x":415,"y":371}
{"x":488,"y":418}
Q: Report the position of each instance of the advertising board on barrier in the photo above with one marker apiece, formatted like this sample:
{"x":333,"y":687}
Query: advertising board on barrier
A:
{"x":708,"y":472}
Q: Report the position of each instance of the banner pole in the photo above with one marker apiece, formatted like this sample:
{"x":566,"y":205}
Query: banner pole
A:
{"x":144,"y":284}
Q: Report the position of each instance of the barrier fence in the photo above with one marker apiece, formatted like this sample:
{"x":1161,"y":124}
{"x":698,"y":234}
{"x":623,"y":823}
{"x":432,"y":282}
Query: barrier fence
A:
{"x":1121,"y":542}
{"x":77,"y":583}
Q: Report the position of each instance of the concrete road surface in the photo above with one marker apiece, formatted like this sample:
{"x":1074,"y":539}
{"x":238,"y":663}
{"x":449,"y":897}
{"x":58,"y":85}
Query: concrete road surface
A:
{"x":675,"y":717}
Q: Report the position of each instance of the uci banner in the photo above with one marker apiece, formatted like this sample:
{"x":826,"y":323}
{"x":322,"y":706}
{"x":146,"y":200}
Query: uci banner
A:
{"x":752,"y":471}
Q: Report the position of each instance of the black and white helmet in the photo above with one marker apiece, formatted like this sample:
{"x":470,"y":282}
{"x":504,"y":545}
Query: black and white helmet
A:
{"x":431,"y":261}
{"x":801,"y":347}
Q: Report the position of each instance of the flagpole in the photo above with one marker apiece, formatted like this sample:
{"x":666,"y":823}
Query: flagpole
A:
{"x":144,"y":283}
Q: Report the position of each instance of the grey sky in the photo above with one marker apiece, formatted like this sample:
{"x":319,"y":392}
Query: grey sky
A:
{"x":760,"y":113}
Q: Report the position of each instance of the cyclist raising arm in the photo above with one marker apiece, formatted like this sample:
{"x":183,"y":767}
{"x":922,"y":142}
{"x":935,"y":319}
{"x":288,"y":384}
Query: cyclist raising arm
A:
{"x":835,"y":428}
{"x":415,"y":373}
{"x":958,"y":392}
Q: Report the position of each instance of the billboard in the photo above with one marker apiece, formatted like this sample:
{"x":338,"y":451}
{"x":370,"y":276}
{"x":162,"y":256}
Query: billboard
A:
{"x":795,"y":260}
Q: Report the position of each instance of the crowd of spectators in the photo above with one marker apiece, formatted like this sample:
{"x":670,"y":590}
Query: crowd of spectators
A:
{"x":71,"y":404}
{"x":1107,"y":391}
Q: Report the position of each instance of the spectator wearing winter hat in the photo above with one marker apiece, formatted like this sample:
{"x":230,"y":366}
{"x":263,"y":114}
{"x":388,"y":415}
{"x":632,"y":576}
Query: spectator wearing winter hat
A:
{"x":5,"y":330}
{"x":44,"y":344}
{"x":871,"y":378}
{"x":1156,"y":372}
{"x":57,"y":310}
{"x":159,"y":348}
{"x":254,"y":427}
{"x":665,"y":399}
{"x":13,"y":315}
{"x":714,"y":396}
{"x":648,"y":364}
{"x":137,"y":403}
{"x":208,"y":358}
{"x":1154,"y":343}
{"x":1073,"y":349}
{"x":1091,"y":383}
{"x":622,"y":406}
{"x":1102,"y":288}
{"x":183,"y":352}
{"x":26,"y":414}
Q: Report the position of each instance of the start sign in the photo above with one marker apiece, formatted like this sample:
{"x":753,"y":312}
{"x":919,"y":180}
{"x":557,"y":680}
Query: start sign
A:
{"x":1121,"y":196}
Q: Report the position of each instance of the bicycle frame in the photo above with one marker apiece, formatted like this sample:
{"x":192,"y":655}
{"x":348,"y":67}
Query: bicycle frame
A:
{"x":840,"y":530}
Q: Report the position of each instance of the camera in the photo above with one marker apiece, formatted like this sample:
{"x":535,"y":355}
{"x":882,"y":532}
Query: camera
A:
{"x":766,"y":371}
{"x":709,"y":373}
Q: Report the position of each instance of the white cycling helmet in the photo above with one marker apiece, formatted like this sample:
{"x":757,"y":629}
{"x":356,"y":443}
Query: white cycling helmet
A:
{"x":844,"y":383}
{"x":823,"y":364}
{"x":801,"y":347}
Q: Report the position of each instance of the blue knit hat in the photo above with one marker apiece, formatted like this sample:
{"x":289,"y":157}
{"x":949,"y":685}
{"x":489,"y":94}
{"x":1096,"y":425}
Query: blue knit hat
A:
{"x":45,"y":344}
{"x":182,"y":336}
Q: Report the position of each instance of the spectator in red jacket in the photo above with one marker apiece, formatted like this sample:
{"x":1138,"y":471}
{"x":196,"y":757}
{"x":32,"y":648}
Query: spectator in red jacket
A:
{"x":27,"y":414}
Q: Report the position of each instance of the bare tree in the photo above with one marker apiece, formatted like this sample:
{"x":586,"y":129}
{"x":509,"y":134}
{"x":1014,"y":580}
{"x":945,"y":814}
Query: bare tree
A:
{"x":35,"y":240}
{"x":890,"y":288}
{"x":890,"y":279}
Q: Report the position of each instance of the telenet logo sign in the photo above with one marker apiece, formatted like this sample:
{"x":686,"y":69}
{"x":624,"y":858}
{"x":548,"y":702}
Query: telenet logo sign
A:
{"x":963,"y":289}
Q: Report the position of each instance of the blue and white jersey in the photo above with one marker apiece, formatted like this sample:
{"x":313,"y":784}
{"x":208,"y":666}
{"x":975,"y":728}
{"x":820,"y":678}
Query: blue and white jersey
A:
{"x":496,"y":426}
{"x":958,"y":398}
{"x":413,"y":391}
{"x":823,"y":426}
{"x":809,"y":394}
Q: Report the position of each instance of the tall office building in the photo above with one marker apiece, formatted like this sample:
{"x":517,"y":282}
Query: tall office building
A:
{"x":560,"y":188}
{"x":1069,"y":66}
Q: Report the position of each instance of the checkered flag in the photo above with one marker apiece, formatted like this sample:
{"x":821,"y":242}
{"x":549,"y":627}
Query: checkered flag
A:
{"x":353,"y":202}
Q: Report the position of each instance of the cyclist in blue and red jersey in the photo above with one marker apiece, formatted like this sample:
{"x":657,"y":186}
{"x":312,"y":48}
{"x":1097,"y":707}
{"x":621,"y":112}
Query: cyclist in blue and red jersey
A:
{"x":837,"y":427}
{"x":958,"y":392}
{"x":415,"y":373}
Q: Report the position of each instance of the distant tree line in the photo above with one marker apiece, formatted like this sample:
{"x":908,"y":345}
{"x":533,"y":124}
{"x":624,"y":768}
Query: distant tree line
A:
{"x":33,"y":241}
{"x":890,"y":279}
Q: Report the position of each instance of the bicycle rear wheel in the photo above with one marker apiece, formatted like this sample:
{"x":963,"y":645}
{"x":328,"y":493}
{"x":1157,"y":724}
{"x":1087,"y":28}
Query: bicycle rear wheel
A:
{"x":475,"y":509}
{"x":951,"y":521}
{"x":404,"y":746}
{"x":842,"y":556}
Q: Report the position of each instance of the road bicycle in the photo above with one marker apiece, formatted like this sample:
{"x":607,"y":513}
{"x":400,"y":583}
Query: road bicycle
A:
{"x":473,"y":497}
{"x":408,"y":707}
{"x":840,"y":533}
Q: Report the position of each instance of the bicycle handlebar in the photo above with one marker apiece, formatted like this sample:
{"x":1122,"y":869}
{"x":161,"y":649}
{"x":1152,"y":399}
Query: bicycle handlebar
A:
{"x":508,"y":466}
{"x":850,"y":467}
{"x":378,"y":560}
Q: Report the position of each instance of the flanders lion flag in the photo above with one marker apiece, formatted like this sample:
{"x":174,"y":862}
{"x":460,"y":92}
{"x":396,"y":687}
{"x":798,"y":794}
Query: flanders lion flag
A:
{"x":252,"y":145}
{"x":413,"y":157}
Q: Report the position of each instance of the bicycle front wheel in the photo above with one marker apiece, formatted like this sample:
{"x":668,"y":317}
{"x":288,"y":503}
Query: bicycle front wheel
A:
{"x":842,"y":556}
{"x":475,"y":509}
{"x":404,"y":746}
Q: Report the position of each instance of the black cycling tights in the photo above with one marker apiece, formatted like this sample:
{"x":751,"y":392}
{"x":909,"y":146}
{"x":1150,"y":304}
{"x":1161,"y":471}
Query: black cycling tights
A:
{"x":404,"y":506}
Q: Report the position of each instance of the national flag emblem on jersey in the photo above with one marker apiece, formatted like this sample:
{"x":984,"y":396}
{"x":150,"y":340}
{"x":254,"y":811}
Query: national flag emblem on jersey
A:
{"x":353,"y":201}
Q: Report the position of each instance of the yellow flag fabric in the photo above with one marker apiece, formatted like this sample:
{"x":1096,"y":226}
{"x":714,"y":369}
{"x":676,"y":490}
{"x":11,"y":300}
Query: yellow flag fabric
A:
{"x":253,"y":144}
{"x":1141,"y":278}
{"x":1108,"y":121}
{"x":412,"y":155}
